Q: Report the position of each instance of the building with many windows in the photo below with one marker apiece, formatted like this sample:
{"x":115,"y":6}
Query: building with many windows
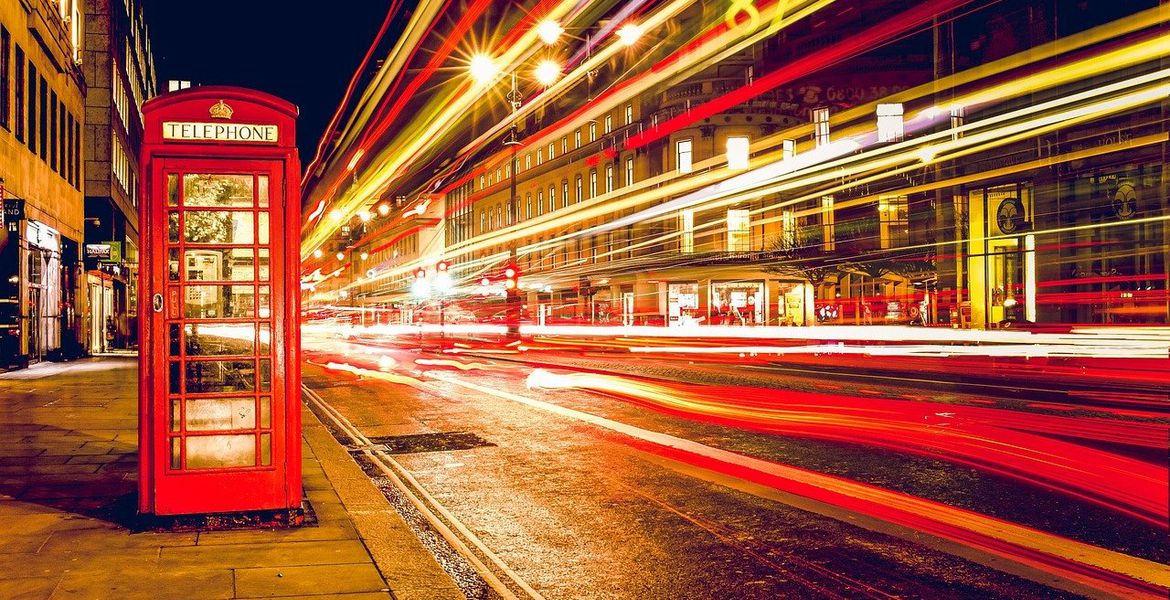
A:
{"x":42,"y":112}
{"x":119,"y":70}
{"x":998,"y":165}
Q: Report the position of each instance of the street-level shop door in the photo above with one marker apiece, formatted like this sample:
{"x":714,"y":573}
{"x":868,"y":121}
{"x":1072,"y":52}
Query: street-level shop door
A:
{"x":221,"y":295}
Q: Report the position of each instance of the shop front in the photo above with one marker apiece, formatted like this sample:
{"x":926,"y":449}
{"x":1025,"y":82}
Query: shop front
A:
{"x":738,"y":303}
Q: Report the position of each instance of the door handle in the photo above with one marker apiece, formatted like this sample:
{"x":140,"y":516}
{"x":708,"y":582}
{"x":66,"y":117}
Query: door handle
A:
{"x":158,"y":303}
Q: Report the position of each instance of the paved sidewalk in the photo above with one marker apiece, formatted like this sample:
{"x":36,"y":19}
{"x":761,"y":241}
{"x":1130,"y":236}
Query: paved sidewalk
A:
{"x":68,"y":470}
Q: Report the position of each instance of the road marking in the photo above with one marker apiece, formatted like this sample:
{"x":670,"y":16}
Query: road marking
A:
{"x":1024,"y":545}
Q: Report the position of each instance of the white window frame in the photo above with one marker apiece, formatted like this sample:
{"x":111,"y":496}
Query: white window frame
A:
{"x":684,"y":152}
{"x":738,"y":152}
{"x":686,"y":227}
{"x":739,"y":230}
{"x":820,"y":118}
{"x":629,"y":171}
{"x":890,"y":123}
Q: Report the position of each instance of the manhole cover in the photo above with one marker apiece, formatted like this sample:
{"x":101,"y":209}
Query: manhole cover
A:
{"x":431,"y":442}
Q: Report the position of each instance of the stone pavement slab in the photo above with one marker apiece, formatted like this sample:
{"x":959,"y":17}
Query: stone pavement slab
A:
{"x":68,"y":470}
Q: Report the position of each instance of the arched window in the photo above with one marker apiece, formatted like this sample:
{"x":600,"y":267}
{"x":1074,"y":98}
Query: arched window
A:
{"x":482,"y":221}
{"x":552,"y":197}
{"x":564,"y":193}
{"x":528,"y":211}
{"x":578,"y":188}
{"x":540,"y":202}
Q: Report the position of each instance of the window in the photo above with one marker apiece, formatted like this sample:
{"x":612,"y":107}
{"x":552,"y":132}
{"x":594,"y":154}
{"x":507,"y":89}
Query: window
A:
{"x":789,"y":149}
{"x":528,"y":211}
{"x":481,"y":186}
{"x":577,"y":138}
{"x":499,"y":215}
{"x":593,"y":184}
{"x":32,"y":108}
{"x":54,"y":132}
{"x":738,"y":149}
{"x":552,"y":197}
{"x":509,"y":212}
{"x":894,"y":221}
{"x":683,"y":155}
{"x":551,"y":151}
{"x":593,"y":131}
{"x":578,"y":189}
{"x":508,"y":170}
{"x":828,"y":224}
{"x":540,"y":203}
{"x":889,"y":122}
{"x":630,"y":171}
{"x":565,"y":144}
{"x":45,"y":109}
{"x":739,"y":229}
{"x":564,"y":193}
{"x":482,"y":221}
{"x":18,"y":95}
{"x":820,"y":118}
{"x":686,"y":227}
{"x":608,"y":178}
{"x":629,"y":114}
{"x":498,"y":178}
{"x":527,"y":161}
{"x":5,"y":74}
{"x":788,"y":227}
{"x":957,"y":114}
{"x":608,"y":123}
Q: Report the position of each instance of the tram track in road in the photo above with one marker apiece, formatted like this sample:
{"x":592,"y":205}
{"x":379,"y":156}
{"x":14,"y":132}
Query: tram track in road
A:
{"x":494,"y":572}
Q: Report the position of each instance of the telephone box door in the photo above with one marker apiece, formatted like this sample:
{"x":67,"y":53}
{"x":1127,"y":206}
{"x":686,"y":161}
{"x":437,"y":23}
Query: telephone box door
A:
{"x":219,"y":390}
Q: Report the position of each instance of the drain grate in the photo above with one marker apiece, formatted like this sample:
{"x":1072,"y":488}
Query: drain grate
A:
{"x":431,"y":442}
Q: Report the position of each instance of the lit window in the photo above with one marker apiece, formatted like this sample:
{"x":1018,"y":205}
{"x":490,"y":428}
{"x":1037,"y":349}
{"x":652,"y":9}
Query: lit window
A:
{"x":894,"y":222}
{"x":481,"y":186}
{"x":577,"y":138}
{"x":528,"y":210}
{"x":540,"y":156}
{"x":957,"y":114}
{"x":593,"y":131}
{"x":593,"y":184}
{"x":788,"y":228}
{"x":608,"y":123}
{"x":564,"y":194}
{"x":889,"y":122}
{"x":686,"y":226}
{"x":828,"y":224}
{"x":578,"y":188}
{"x":630,"y":171}
{"x":498,"y":178}
{"x":608,"y":178}
{"x":508,"y":170}
{"x":737,"y":152}
{"x":739,"y":228}
{"x":789,"y":149}
{"x":683,"y":154}
{"x":564,"y":144}
{"x":552,"y":197}
{"x":629,"y":114}
{"x":540,"y":203}
{"x":551,"y":151}
{"x":820,"y":118}
{"x":527,"y":161}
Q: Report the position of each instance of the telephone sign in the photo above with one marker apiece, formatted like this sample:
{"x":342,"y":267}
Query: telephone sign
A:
{"x":219,"y":391}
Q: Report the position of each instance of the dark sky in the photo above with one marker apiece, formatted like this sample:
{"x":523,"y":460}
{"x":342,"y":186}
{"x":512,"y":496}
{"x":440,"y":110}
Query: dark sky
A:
{"x":304,"y":52}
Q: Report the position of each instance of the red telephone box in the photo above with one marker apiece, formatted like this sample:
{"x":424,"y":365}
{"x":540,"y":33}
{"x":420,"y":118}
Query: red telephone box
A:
{"x":219,"y":291}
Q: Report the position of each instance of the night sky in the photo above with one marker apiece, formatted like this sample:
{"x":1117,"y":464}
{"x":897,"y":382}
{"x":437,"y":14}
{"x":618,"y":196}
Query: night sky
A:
{"x":304,"y":56}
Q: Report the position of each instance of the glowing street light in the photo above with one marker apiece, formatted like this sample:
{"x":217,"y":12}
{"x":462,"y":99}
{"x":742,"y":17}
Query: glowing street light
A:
{"x":365,"y":215}
{"x":483,"y":68}
{"x":336,"y":214}
{"x":549,"y":31}
{"x":340,"y":256}
{"x":383,"y":209}
{"x":629,"y":33}
{"x":318,"y":253}
{"x":365,"y":255}
{"x":547,"y":72}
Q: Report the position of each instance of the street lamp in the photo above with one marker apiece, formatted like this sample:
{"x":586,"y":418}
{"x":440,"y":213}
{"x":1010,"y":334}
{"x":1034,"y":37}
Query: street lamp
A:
{"x":547,"y":72}
{"x":443,"y":285}
{"x":421,"y":290}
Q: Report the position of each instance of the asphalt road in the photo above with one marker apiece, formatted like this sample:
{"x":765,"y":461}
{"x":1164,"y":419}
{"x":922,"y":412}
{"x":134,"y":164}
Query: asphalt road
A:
{"x":585,"y":490}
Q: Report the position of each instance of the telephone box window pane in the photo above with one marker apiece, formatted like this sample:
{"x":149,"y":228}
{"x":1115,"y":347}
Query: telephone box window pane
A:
{"x":220,"y":302}
{"x":219,"y":451}
{"x":173,"y":227}
{"x":265,"y":339}
{"x":211,"y":339}
{"x":173,"y":264}
{"x":221,"y":376}
{"x":265,"y":411}
{"x":175,"y":380}
{"x":176,"y":456}
{"x":262,"y":190}
{"x":265,"y":375}
{"x":218,"y":227}
{"x":176,"y":415}
{"x":172,"y":189}
{"x":262,"y":265}
{"x":217,"y":190}
{"x":262,"y":233}
{"x":230,"y":264}
{"x":221,"y":414}
{"x":265,"y":449}
{"x":173,"y":338}
{"x":265,"y":303}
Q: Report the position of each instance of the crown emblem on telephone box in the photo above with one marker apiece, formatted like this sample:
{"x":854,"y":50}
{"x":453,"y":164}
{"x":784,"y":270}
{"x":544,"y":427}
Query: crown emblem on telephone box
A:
{"x":220,"y":110}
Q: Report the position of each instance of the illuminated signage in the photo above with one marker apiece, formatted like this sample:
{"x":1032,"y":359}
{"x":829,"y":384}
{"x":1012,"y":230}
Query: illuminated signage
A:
{"x":220,"y":132}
